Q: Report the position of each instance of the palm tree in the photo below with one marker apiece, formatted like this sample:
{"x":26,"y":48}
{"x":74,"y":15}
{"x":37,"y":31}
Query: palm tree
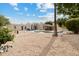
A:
{"x":55,"y":23}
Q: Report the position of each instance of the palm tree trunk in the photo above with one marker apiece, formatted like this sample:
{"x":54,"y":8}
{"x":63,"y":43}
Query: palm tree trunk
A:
{"x":55,"y":23}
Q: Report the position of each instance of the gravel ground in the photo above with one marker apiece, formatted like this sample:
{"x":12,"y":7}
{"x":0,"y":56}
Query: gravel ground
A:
{"x":43,"y":44}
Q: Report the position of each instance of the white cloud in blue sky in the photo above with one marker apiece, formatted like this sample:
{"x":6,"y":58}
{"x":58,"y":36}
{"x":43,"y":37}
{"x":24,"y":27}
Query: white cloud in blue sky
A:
{"x":33,"y":14}
{"x":15,"y":6}
{"x":45,"y":5}
{"x":25,"y":8}
{"x":27,"y":15}
{"x":27,"y":12}
{"x":43,"y":10}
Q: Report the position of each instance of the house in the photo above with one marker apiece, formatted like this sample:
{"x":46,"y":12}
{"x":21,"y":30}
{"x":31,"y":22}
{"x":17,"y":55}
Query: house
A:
{"x":30,"y":26}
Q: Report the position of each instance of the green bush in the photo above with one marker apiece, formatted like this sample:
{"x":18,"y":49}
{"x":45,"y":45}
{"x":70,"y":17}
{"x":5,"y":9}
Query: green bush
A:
{"x":5,"y":36}
{"x":61,"y":22}
{"x":73,"y":25}
{"x":49,"y":22}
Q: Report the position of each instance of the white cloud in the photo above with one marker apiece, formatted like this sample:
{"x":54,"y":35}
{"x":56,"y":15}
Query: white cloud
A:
{"x":44,"y":16}
{"x":33,"y":14}
{"x":14,"y":20}
{"x":45,"y":5}
{"x":47,"y":17}
{"x":27,"y":15}
{"x":49,"y":5}
{"x":50,"y":16}
{"x":25,"y":8}
{"x":7,"y":17}
{"x":39,"y":5}
{"x":13,"y":4}
{"x":16,"y":8}
{"x":11,"y":19}
{"x":43,"y":10}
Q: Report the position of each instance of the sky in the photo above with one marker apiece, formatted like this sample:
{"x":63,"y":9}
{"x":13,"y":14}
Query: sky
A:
{"x":27,"y":12}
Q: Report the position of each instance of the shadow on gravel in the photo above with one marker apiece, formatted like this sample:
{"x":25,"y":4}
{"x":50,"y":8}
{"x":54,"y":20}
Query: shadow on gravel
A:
{"x":47,"y":48}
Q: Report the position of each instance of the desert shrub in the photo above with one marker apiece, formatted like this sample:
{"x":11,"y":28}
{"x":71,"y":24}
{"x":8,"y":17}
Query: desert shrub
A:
{"x":73,"y":25}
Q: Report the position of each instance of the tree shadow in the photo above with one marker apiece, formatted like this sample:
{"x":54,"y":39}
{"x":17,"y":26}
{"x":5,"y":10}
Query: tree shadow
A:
{"x":47,"y":48}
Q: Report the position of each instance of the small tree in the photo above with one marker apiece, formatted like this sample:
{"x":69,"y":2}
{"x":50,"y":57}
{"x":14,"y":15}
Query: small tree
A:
{"x":3,"y":21}
{"x":4,"y":32}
